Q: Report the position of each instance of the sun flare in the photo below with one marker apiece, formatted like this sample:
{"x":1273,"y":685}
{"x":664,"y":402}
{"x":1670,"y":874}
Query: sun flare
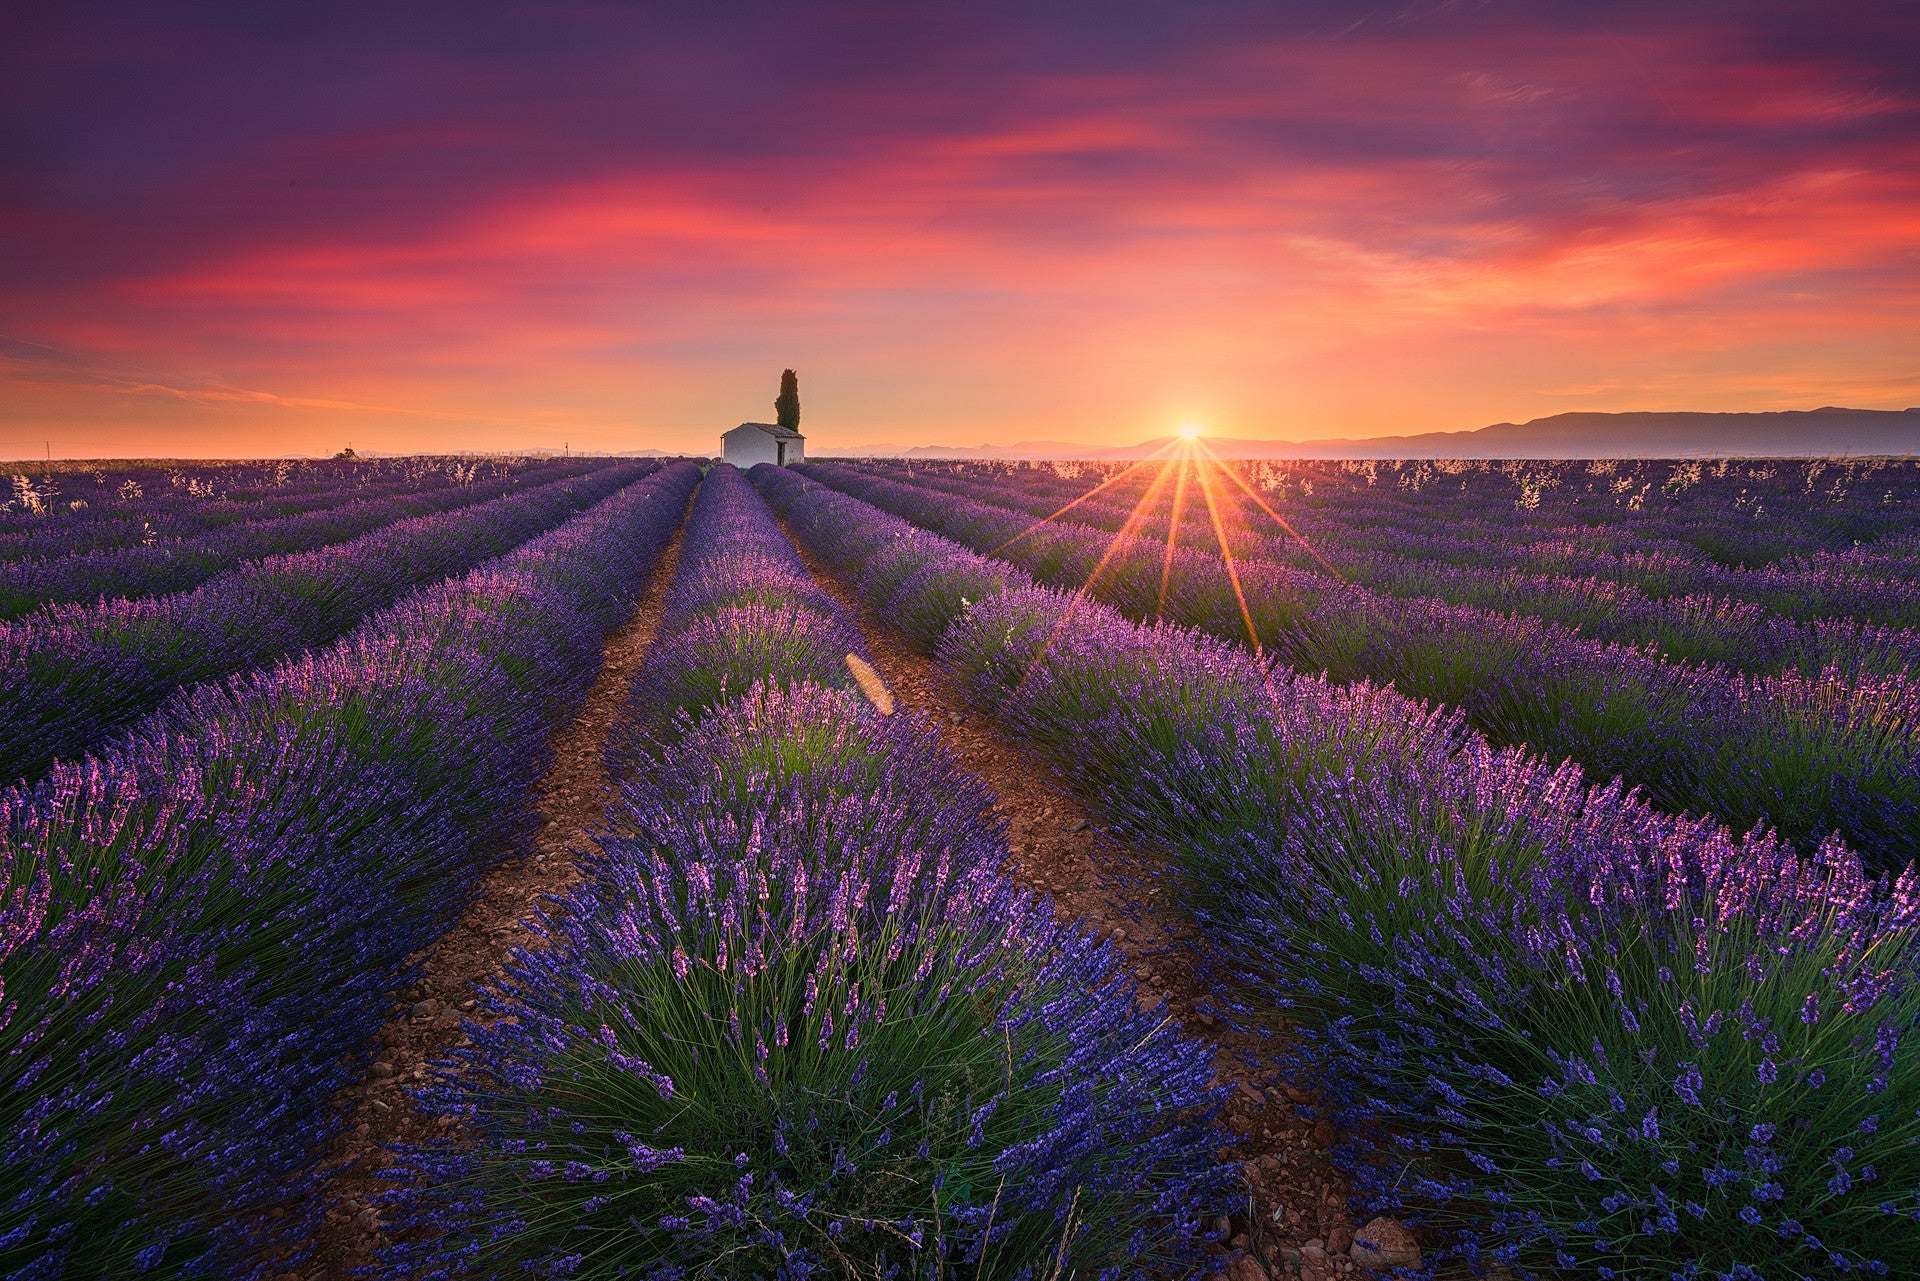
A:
{"x":1190,"y":431}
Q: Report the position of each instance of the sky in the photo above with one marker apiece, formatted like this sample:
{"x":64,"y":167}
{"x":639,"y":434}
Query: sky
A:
{"x":242,"y":229}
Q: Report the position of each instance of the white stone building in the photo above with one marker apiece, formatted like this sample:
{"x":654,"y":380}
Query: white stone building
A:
{"x":751,"y":443}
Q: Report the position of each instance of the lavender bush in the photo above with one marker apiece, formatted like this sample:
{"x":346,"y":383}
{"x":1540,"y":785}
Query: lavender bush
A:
{"x":1569,"y":1032}
{"x":74,"y":513}
{"x":71,"y":675}
{"x":742,"y":610}
{"x":799,"y":1025}
{"x":1591,"y":1037}
{"x":157,"y":564}
{"x":199,"y":926}
{"x":723,"y":654}
{"x":1808,"y":755}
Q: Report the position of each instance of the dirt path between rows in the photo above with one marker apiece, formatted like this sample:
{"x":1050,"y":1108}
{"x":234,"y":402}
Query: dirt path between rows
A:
{"x":426,"y":1017}
{"x":1295,"y":1220}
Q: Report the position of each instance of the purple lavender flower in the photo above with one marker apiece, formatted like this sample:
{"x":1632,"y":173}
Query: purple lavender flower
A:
{"x":71,"y":675}
{"x":798,"y":919}
{"x":1808,"y":746}
{"x":200,"y":926}
{"x":1497,"y":959}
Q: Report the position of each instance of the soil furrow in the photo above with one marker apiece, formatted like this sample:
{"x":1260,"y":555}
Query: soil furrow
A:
{"x":426,"y":1018}
{"x":1295,"y":1221}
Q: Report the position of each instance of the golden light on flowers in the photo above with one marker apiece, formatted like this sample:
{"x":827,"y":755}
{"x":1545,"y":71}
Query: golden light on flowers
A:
{"x":1226,"y":552}
{"x":1182,"y":460}
{"x":1097,"y":489}
{"x":1185,"y":466}
{"x":1260,"y":502}
{"x":871,"y":684}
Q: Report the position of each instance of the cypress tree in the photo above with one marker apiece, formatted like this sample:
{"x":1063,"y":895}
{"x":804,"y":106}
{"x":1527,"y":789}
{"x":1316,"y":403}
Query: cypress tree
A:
{"x":787,"y":405}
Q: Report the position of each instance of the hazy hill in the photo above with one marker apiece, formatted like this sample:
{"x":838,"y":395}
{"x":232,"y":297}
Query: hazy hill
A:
{"x":1024,"y":449}
{"x":1793,"y":432}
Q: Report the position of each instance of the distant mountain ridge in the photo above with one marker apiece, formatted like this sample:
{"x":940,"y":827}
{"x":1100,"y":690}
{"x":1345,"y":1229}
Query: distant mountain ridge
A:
{"x":1579,"y":434}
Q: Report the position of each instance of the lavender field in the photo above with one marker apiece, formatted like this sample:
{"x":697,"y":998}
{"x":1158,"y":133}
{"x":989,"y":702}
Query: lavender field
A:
{"x":1491,"y":869}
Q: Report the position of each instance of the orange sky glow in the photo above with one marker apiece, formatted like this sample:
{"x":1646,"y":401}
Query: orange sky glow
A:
{"x":965,"y":229}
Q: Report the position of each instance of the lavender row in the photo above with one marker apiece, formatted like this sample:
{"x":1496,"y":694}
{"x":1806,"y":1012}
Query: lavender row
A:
{"x":1384,"y":547}
{"x":1568,"y":1032}
{"x":1810,"y":618}
{"x":1513,"y":507}
{"x":1731,"y":512}
{"x":54,"y":507}
{"x":72,"y":674}
{"x":1762,"y":621}
{"x":1873,"y":583}
{"x":1740,"y":512}
{"x":158,"y":567}
{"x":42,"y":518}
{"x":60,"y":512}
{"x":1808,"y":755}
{"x":200,"y":928}
{"x":741,"y":611}
{"x":1697,"y":629}
{"x":1881,"y":594}
{"x":798,"y":1024}
{"x":1374,"y":537}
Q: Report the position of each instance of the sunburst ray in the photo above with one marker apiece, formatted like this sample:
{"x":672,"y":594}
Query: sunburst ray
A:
{"x":1115,"y":479}
{"x":1226,"y":552}
{"x":1277,"y":518}
{"x":1185,"y":465}
{"x":1125,"y":534}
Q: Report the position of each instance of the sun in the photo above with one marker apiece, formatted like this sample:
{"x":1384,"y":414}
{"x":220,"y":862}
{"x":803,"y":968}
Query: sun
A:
{"x":1190,"y":431}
